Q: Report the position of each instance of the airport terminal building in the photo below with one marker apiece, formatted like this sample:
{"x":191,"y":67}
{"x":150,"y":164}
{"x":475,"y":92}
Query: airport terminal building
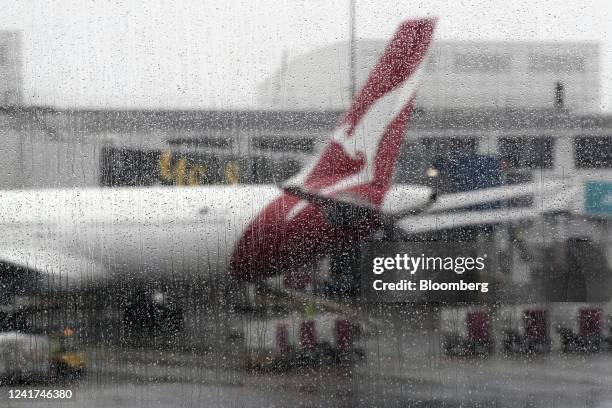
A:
{"x":456,"y":75}
{"x":535,"y":106}
{"x":67,"y":148}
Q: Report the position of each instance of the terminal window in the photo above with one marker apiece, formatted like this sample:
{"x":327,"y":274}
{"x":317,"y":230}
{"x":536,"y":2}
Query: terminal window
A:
{"x":128,"y":167}
{"x":593,"y":152}
{"x":471,"y":62}
{"x":556,"y":63}
{"x":290,"y":144}
{"x":268,"y":171}
{"x":204,"y":141}
{"x":527,"y":152}
{"x":419,"y":156}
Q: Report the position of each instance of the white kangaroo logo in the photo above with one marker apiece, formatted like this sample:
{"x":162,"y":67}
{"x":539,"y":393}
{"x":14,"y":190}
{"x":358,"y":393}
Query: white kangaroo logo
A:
{"x":364,"y":140}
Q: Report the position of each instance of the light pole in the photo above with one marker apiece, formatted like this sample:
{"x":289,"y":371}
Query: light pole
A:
{"x":352,"y":47}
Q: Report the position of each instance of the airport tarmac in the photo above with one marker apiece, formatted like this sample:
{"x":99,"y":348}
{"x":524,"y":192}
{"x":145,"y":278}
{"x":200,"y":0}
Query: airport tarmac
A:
{"x":406,"y":370}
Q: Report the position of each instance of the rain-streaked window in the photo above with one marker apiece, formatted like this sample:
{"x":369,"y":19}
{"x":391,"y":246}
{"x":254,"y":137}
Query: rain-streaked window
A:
{"x":306,"y":204}
{"x":527,"y":152}
{"x":593,"y":151}
{"x":483,"y":62}
{"x":556,"y":63}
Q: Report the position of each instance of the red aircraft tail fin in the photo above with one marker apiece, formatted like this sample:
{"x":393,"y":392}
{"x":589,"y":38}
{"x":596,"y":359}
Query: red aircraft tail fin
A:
{"x":361,"y":155}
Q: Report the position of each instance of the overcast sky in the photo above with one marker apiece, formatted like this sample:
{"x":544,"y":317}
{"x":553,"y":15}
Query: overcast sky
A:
{"x":207,"y":54}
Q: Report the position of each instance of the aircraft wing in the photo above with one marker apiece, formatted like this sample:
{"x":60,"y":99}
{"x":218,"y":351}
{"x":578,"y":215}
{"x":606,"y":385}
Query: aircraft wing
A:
{"x":48,"y":268}
{"x":351,"y":212}
{"x":457,"y":210}
{"x":451,"y":210}
{"x":541,"y":191}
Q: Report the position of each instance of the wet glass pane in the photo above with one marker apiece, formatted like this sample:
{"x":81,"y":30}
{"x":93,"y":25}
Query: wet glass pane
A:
{"x":312,"y":204}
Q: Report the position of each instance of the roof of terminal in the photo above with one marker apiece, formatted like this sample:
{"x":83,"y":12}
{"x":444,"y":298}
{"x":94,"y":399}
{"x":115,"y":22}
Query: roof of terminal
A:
{"x":79,"y":120}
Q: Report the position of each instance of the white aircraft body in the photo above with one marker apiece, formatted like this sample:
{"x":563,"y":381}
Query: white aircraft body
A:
{"x":72,"y":238}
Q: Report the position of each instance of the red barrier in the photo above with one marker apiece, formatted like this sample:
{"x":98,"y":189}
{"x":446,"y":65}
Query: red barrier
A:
{"x":282,"y":338}
{"x":536,"y":326}
{"x":344,"y":334}
{"x":589,"y":322}
{"x":308,"y":338}
{"x":479,"y":326}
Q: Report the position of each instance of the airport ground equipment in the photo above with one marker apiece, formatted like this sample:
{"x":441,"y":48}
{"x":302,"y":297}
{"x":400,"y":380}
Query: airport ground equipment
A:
{"x":67,"y":358}
{"x":23,"y":356}
{"x":466,"y":331}
{"x":287,"y":328}
{"x":525,"y":329}
{"x":293,"y":342}
{"x":583,"y":327}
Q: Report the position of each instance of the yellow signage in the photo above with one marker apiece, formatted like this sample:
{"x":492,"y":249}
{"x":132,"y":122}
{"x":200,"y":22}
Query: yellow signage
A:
{"x":181,"y":172}
{"x":232,"y":173}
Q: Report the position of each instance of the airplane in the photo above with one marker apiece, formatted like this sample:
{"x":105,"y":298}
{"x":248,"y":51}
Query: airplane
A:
{"x":57,"y":240}
{"x":72,"y":239}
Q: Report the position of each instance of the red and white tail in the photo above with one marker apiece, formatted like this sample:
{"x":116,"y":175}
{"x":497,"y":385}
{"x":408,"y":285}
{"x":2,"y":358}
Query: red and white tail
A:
{"x":358,"y":161}
{"x":361,"y":155}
